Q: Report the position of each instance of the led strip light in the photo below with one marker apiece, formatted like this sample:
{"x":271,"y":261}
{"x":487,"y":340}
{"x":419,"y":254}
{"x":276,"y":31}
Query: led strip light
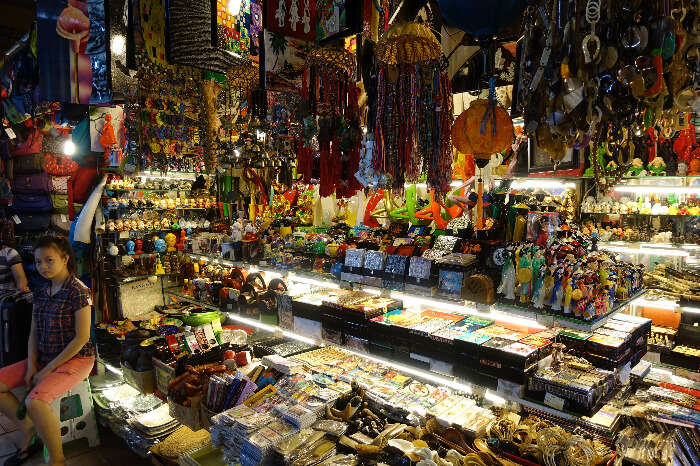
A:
{"x":658,"y":189}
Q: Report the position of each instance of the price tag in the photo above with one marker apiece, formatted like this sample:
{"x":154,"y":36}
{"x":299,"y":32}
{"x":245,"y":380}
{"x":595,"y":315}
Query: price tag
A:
{"x":64,"y":218}
{"x":547,"y":321}
{"x":220,"y":169}
{"x":16,"y":219}
{"x":553,"y":401}
{"x":10,"y":133}
{"x":123,"y":234}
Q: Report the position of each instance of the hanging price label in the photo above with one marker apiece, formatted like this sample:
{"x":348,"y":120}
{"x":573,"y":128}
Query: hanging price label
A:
{"x":16,"y":219}
{"x":10,"y":133}
{"x":64,"y":218}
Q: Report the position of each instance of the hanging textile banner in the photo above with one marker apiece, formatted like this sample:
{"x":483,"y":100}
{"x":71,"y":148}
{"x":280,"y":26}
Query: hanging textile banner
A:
{"x":295,"y":18}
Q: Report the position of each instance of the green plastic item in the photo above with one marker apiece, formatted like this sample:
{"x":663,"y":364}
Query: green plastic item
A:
{"x":201,"y":318}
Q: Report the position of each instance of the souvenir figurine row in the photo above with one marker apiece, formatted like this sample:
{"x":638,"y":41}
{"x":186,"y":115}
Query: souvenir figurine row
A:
{"x":565,"y":278}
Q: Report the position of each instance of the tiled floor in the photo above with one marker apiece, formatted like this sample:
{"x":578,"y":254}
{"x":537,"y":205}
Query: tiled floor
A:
{"x":111,"y":452}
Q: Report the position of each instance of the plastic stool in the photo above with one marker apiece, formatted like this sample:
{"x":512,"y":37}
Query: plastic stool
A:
{"x":76,"y":416}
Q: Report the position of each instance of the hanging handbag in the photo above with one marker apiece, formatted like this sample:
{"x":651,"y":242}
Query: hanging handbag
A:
{"x":28,"y":163}
{"x":31,"y":145}
{"x":80,"y":186}
{"x":60,"y":222}
{"x":59,"y":184}
{"x":32,"y":183}
{"x":34,"y":221}
{"x":60,"y":203}
{"x":59,"y":165}
{"x":22,"y":203}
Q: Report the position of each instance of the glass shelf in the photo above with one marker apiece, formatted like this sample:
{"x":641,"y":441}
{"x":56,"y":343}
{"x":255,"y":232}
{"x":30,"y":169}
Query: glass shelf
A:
{"x":498,"y":395}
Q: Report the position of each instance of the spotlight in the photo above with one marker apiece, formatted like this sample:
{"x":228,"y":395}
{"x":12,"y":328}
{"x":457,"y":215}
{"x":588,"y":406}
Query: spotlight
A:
{"x":68,"y":147}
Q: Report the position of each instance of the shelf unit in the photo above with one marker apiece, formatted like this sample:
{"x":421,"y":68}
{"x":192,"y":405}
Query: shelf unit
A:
{"x":517,"y":314}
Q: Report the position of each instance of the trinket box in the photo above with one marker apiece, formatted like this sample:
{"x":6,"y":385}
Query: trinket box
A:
{"x":353,"y":266}
{"x":395,"y":269}
{"x":373,"y":268}
{"x":420,"y":279}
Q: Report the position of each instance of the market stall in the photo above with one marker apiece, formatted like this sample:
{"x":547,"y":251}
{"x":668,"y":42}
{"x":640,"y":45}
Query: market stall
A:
{"x":372,"y":232}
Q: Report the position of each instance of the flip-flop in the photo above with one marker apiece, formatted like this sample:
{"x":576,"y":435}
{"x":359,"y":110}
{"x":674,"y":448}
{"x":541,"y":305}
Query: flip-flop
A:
{"x":21,"y":456}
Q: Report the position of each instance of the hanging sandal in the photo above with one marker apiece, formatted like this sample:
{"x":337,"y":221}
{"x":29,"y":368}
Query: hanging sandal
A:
{"x":20,"y":456}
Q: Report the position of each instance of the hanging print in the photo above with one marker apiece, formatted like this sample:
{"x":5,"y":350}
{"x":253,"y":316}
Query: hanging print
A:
{"x":239,"y":34}
{"x":336,"y":19}
{"x":72,"y":38}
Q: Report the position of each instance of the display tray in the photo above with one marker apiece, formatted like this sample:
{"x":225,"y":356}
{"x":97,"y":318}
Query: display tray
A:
{"x":692,"y":363}
{"x":569,"y":406}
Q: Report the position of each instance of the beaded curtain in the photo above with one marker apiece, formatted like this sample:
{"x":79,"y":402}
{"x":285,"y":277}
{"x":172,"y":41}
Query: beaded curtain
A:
{"x":413,"y":123}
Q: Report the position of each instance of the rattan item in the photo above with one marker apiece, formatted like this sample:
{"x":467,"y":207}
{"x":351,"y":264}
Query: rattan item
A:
{"x":479,"y":288}
{"x":243,"y":77}
{"x":340,"y":59}
{"x":408,"y":43}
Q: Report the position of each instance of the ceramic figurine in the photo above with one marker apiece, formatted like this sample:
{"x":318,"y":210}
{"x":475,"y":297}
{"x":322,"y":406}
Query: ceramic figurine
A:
{"x":507,"y":286}
{"x":524,"y":276}
{"x":170,"y":240}
{"x":159,"y":268}
{"x":139,"y":246}
{"x":130,"y":248}
{"x":557,"y":291}
{"x":657,"y":167}
{"x":538,"y":272}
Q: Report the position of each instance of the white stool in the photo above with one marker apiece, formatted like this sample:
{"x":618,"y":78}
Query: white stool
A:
{"x":76,"y":416}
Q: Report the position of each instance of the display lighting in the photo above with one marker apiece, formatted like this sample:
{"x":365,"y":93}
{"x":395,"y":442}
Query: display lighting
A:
{"x":113,"y":369}
{"x":313,"y":281}
{"x":428,"y":376}
{"x":541,"y":184}
{"x":658,"y":304}
{"x":271,"y":328}
{"x":234,"y":7}
{"x":647,"y":251}
{"x":658,"y":189}
{"x":118,"y":45}
{"x":410,"y":300}
{"x":68,"y":147}
{"x":493,"y":398}
{"x":171,"y":176}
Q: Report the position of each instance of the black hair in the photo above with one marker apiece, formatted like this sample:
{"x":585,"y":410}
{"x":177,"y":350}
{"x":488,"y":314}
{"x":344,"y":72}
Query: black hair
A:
{"x":62,"y":244}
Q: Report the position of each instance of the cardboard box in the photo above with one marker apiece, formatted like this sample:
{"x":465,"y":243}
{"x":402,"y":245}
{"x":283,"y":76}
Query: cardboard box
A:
{"x":191,"y":416}
{"x":142,"y":381}
{"x":162,"y":375}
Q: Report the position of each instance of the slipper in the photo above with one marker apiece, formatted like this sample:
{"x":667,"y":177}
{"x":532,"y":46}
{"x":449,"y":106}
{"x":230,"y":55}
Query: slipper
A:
{"x":21,"y":456}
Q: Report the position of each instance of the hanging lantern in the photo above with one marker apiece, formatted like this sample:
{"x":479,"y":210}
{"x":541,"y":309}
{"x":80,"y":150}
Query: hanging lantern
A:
{"x":408,"y":43}
{"x":488,"y":129}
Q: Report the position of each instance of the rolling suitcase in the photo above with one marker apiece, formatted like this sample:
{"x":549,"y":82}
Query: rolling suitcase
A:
{"x":15,"y":325}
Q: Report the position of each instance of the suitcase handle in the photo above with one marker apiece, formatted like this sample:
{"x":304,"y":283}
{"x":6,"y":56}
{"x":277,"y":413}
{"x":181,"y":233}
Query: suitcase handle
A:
{"x":7,"y":337}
